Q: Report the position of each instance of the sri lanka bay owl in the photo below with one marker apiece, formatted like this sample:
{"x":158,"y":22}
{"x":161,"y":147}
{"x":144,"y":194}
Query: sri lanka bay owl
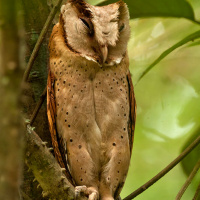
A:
{"x":90,"y":97}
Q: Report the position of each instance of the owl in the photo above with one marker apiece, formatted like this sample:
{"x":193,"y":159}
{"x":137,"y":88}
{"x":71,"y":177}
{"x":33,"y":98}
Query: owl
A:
{"x":90,"y":99}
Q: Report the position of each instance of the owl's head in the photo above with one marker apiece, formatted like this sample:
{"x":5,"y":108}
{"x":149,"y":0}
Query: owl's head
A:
{"x":97,"y":33}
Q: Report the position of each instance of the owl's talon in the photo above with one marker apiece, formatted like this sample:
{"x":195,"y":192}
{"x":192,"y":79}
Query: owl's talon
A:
{"x":80,"y":191}
{"x":83,"y":191}
{"x":93,"y":194}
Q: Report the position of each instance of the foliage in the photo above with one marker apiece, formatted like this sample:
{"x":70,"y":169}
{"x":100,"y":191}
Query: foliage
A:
{"x":156,"y":8}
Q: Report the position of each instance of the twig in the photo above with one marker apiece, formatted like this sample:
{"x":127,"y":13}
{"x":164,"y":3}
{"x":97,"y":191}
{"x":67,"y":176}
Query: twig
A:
{"x":197,"y":193}
{"x":188,"y":181}
{"x":40,"y":40}
{"x":187,"y":39}
{"x":164,"y":171}
{"x":38,"y":106}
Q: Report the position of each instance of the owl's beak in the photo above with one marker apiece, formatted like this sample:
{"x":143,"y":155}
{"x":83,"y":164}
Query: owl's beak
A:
{"x":104,"y":52}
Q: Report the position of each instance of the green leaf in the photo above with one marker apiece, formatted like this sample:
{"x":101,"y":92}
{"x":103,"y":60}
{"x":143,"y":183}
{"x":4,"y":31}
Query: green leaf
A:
{"x":187,"y":39}
{"x":157,"y":8}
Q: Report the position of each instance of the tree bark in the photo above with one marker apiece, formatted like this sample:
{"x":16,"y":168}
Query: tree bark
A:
{"x":35,"y":15}
{"x":46,"y":170}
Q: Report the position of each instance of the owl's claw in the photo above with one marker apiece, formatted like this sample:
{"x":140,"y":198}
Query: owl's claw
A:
{"x":80,"y":192}
{"x":89,"y":193}
{"x":93,"y":194}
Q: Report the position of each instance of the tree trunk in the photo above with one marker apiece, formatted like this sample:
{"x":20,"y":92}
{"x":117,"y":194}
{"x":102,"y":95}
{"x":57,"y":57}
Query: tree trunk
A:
{"x":11,"y":126}
{"x":35,"y":15}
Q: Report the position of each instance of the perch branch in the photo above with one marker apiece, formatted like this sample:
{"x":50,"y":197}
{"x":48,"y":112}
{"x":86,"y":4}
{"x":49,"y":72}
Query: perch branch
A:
{"x":197,"y":193}
{"x":40,"y":40}
{"x":38,"y":106}
{"x":45,"y":169}
{"x":164,"y":171}
{"x":188,"y":181}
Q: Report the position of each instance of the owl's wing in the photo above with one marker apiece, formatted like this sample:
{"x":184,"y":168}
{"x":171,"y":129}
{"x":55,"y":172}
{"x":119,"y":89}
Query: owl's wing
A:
{"x":132,"y":118}
{"x":131,"y":124}
{"x":57,"y":141}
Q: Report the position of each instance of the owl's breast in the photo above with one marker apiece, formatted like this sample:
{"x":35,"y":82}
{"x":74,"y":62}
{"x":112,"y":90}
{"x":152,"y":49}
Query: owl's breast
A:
{"x":111,"y":100}
{"x":91,"y":102}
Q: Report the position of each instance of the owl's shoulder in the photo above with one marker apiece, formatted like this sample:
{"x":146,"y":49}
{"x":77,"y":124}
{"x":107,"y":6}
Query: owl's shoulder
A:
{"x":57,"y":41}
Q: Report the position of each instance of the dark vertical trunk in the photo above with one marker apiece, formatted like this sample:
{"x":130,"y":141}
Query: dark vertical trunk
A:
{"x":11,"y":128}
{"x":35,"y":15}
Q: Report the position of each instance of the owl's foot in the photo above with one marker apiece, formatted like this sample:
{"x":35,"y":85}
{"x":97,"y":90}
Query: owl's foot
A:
{"x":83,"y":191}
{"x":107,"y":198}
{"x":93,"y":194}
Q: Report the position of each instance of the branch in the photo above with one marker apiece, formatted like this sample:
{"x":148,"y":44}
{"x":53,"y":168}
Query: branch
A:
{"x":40,"y":40}
{"x":164,"y":171}
{"x":188,"y":181}
{"x":46,"y":169}
{"x":187,"y":39}
{"x":197,"y":193}
{"x":38,"y":106}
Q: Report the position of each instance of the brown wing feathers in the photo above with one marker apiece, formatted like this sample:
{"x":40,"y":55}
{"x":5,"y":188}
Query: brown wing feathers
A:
{"x":132,"y":118}
{"x":56,"y":140}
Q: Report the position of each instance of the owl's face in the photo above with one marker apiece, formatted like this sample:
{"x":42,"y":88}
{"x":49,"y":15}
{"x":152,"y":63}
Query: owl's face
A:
{"x":97,"y":33}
